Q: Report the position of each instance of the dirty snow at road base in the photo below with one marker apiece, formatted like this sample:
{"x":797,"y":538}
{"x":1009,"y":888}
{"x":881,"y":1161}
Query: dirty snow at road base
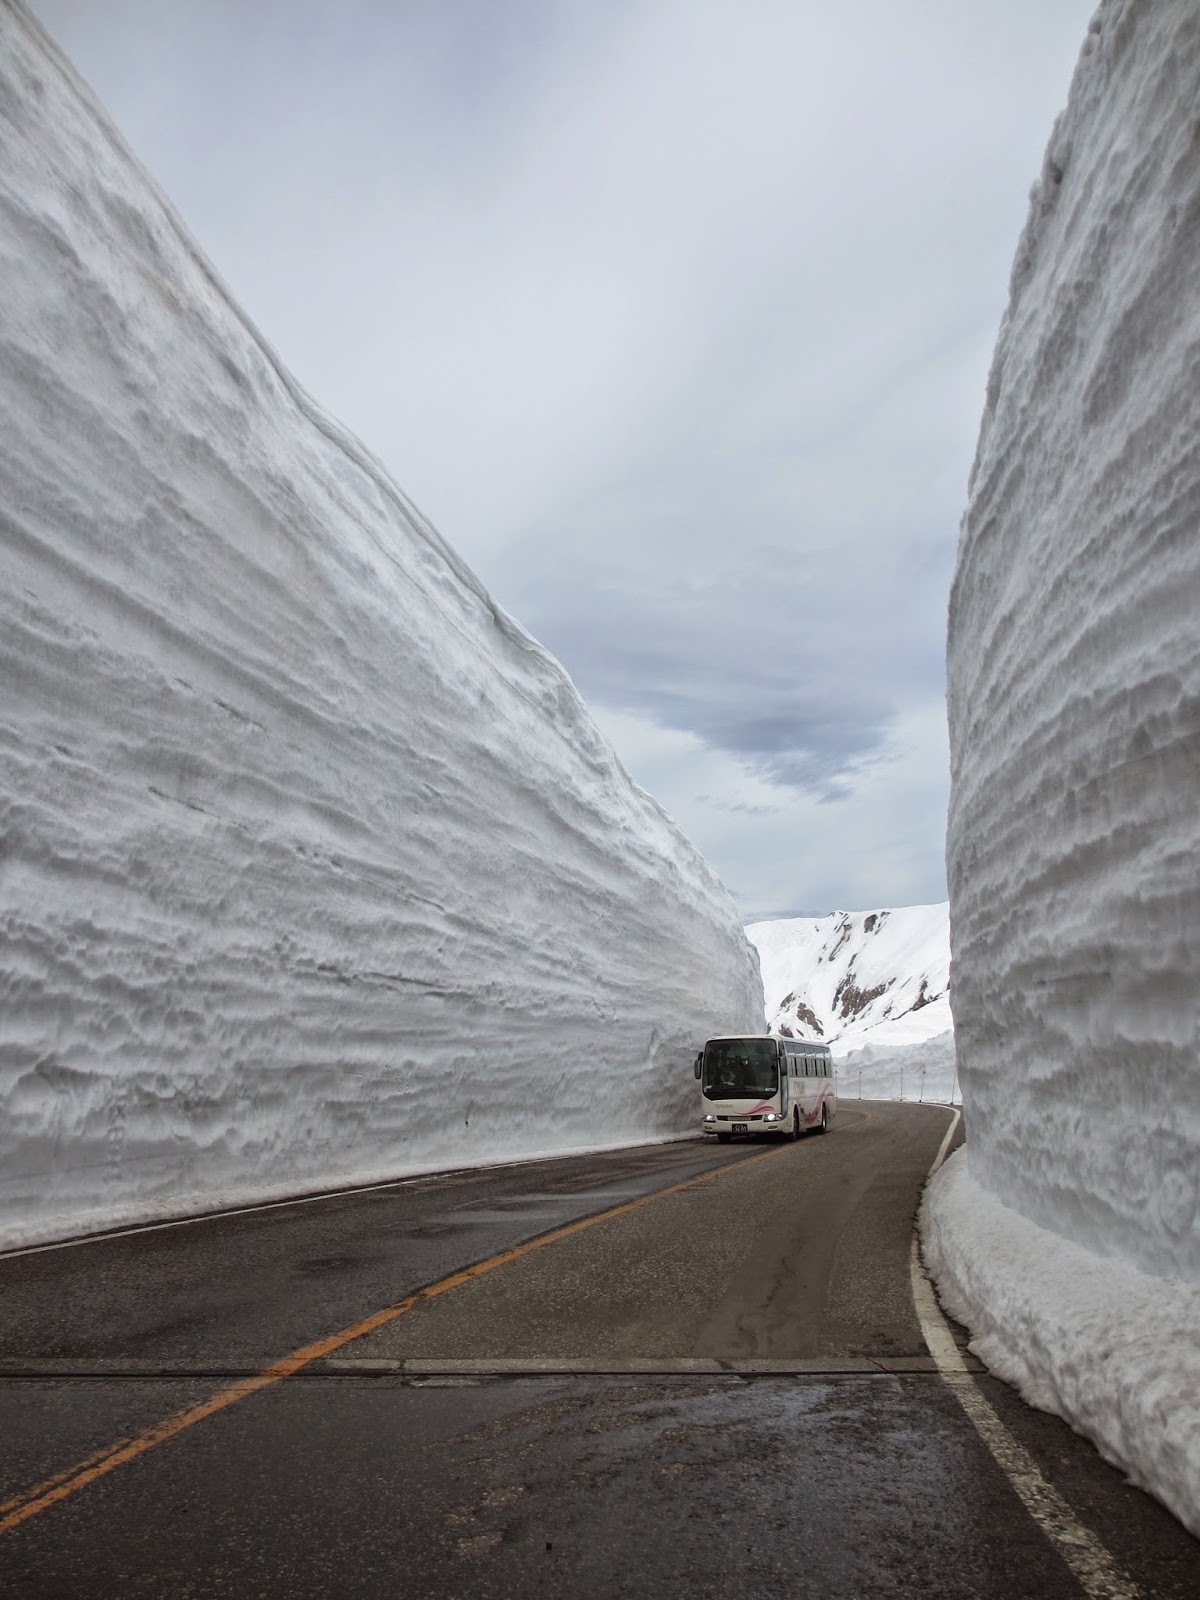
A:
{"x":1113,"y":1350}
{"x":315,"y":869}
{"x":1074,"y":834}
{"x":875,"y":986}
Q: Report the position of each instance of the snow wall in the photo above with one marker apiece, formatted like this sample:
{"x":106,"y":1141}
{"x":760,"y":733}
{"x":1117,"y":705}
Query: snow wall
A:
{"x":313,"y":867}
{"x":1074,"y":829}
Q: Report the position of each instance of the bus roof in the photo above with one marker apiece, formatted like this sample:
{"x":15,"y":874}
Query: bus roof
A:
{"x":806,"y":1044}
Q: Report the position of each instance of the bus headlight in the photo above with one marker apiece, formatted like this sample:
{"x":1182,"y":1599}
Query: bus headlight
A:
{"x":709,"y":1117}
{"x":770,"y":1117}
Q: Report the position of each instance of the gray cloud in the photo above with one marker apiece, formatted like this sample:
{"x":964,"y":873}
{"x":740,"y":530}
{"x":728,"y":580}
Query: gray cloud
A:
{"x":796,"y":662}
{"x":673,"y":315}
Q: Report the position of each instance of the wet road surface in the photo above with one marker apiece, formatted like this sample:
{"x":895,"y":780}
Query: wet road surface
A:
{"x":794,"y":1441}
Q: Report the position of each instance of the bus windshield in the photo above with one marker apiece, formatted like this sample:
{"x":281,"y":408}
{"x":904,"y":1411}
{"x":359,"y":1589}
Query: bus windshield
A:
{"x":740,"y":1069}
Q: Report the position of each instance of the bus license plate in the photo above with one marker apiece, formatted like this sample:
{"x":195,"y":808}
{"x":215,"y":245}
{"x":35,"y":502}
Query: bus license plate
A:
{"x":740,"y":1127}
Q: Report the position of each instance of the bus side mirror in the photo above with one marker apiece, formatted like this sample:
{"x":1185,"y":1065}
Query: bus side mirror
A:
{"x":699,"y":1063}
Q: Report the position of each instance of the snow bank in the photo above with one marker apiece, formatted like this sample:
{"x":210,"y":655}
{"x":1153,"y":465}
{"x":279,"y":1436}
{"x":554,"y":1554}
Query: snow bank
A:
{"x":1074,"y":833}
{"x":313,"y":867}
{"x":857,"y":975}
{"x":1113,"y":1350}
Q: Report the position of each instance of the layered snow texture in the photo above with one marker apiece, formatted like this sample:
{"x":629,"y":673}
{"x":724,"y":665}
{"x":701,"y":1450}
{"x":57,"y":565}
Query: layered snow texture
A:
{"x":1072,"y":1249}
{"x":857,"y":976}
{"x":313,"y":867}
{"x":1074,"y":676}
{"x":1113,"y":1350}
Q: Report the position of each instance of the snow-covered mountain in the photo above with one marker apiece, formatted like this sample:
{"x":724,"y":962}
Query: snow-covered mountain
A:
{"x":857,"y":977}
{"x":1069,"y":1235}
{"x":314,"y":868}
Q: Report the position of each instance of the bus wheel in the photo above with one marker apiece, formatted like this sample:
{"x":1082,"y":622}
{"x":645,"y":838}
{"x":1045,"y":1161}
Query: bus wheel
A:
{"x":795,"y":1129}
{"x":824,"y":1128}
{"x":724,"y":1138}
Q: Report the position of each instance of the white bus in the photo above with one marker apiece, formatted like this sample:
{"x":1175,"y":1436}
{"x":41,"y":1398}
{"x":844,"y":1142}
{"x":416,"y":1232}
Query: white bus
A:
{"x":758,"y":1086}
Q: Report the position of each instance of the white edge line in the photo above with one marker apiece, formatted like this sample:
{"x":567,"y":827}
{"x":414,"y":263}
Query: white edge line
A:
{"x":1098,"y":1573}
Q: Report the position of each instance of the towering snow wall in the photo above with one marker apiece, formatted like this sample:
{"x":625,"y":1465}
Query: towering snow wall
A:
{"x":313,"y":866}
{"x":1074,"y":675}
{"x":1067,"y":1234}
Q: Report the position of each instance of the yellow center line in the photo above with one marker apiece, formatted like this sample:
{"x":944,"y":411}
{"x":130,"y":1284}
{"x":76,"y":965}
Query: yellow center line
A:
{"x":51,"y":1491}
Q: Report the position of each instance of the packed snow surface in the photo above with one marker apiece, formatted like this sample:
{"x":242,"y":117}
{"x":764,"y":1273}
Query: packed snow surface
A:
{"x":314,"y":868}
{"x":1074,"y":832}
{"x":1113,"y":1350}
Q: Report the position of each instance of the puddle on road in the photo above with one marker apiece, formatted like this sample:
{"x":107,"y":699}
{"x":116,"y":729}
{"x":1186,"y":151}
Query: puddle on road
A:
{"x":470,"y":1216}
{"x":554,"y":1207}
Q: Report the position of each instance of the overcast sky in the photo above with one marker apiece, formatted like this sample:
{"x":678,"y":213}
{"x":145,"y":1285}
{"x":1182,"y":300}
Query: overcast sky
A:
{"x":674,"y":316}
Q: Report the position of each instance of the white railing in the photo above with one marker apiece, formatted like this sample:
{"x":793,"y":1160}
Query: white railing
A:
{"x":883,"y":1085}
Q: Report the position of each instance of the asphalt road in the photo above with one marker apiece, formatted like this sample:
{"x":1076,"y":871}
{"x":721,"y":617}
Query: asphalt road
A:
{"x":798,"y":1254}
{"x":730,"y":1395}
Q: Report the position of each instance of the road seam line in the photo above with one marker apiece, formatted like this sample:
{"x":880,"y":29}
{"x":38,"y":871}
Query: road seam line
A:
{"x":51,"y":1491}
{"x":1098,"y":1572}
{"x":500,"y":1367}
